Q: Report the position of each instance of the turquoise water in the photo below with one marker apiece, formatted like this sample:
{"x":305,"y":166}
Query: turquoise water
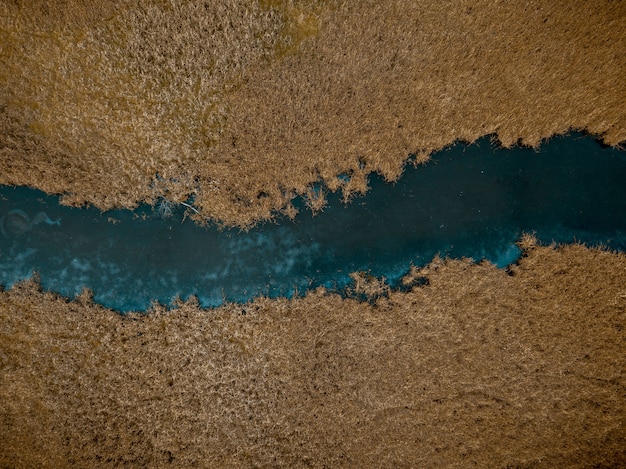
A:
{"x":468,"y":201}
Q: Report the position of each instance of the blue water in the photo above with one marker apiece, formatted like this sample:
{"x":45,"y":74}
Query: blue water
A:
{"x":468,"y":201}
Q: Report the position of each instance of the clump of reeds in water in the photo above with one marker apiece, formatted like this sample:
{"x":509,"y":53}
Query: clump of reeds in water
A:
{"x":368,"y":287}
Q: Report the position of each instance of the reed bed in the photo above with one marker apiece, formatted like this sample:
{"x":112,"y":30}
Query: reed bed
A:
{"x":243,"y":105}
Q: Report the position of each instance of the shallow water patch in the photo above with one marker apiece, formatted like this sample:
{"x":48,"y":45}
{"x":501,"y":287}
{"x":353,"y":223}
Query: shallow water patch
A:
{"x":468,"y":201}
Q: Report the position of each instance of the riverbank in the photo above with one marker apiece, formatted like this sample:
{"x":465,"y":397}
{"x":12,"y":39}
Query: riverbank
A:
{"x":244,"y":105}
{"x":251,"y":103}
{"x":469,"y":201}
{"x":477,"y":367}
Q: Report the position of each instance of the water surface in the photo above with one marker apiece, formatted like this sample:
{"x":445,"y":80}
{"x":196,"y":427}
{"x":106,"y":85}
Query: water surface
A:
{"x":468,"y":201}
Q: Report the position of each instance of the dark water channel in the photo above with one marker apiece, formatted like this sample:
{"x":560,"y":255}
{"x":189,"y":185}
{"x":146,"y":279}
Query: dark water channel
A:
{"x":469,"y":201}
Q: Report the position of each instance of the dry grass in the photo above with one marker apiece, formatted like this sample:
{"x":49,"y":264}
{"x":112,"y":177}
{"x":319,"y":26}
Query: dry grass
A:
{"x":476,"y":368}
{"x":126,"y":105}
{"x":245,"y":104}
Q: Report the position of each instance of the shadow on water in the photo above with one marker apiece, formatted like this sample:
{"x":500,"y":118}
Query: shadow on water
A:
{"x":468,"y":201}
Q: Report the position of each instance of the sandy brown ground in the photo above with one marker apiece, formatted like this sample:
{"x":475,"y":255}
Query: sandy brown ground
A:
{"x":245,"y":104}
{"x":477,"y":369}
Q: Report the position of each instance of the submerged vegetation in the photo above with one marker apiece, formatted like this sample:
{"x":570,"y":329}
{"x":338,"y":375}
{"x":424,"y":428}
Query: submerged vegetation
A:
{"x":16,"y":223}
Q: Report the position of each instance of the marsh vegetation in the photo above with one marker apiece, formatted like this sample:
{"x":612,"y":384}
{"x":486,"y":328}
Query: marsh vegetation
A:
{"x":246,"y":104}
